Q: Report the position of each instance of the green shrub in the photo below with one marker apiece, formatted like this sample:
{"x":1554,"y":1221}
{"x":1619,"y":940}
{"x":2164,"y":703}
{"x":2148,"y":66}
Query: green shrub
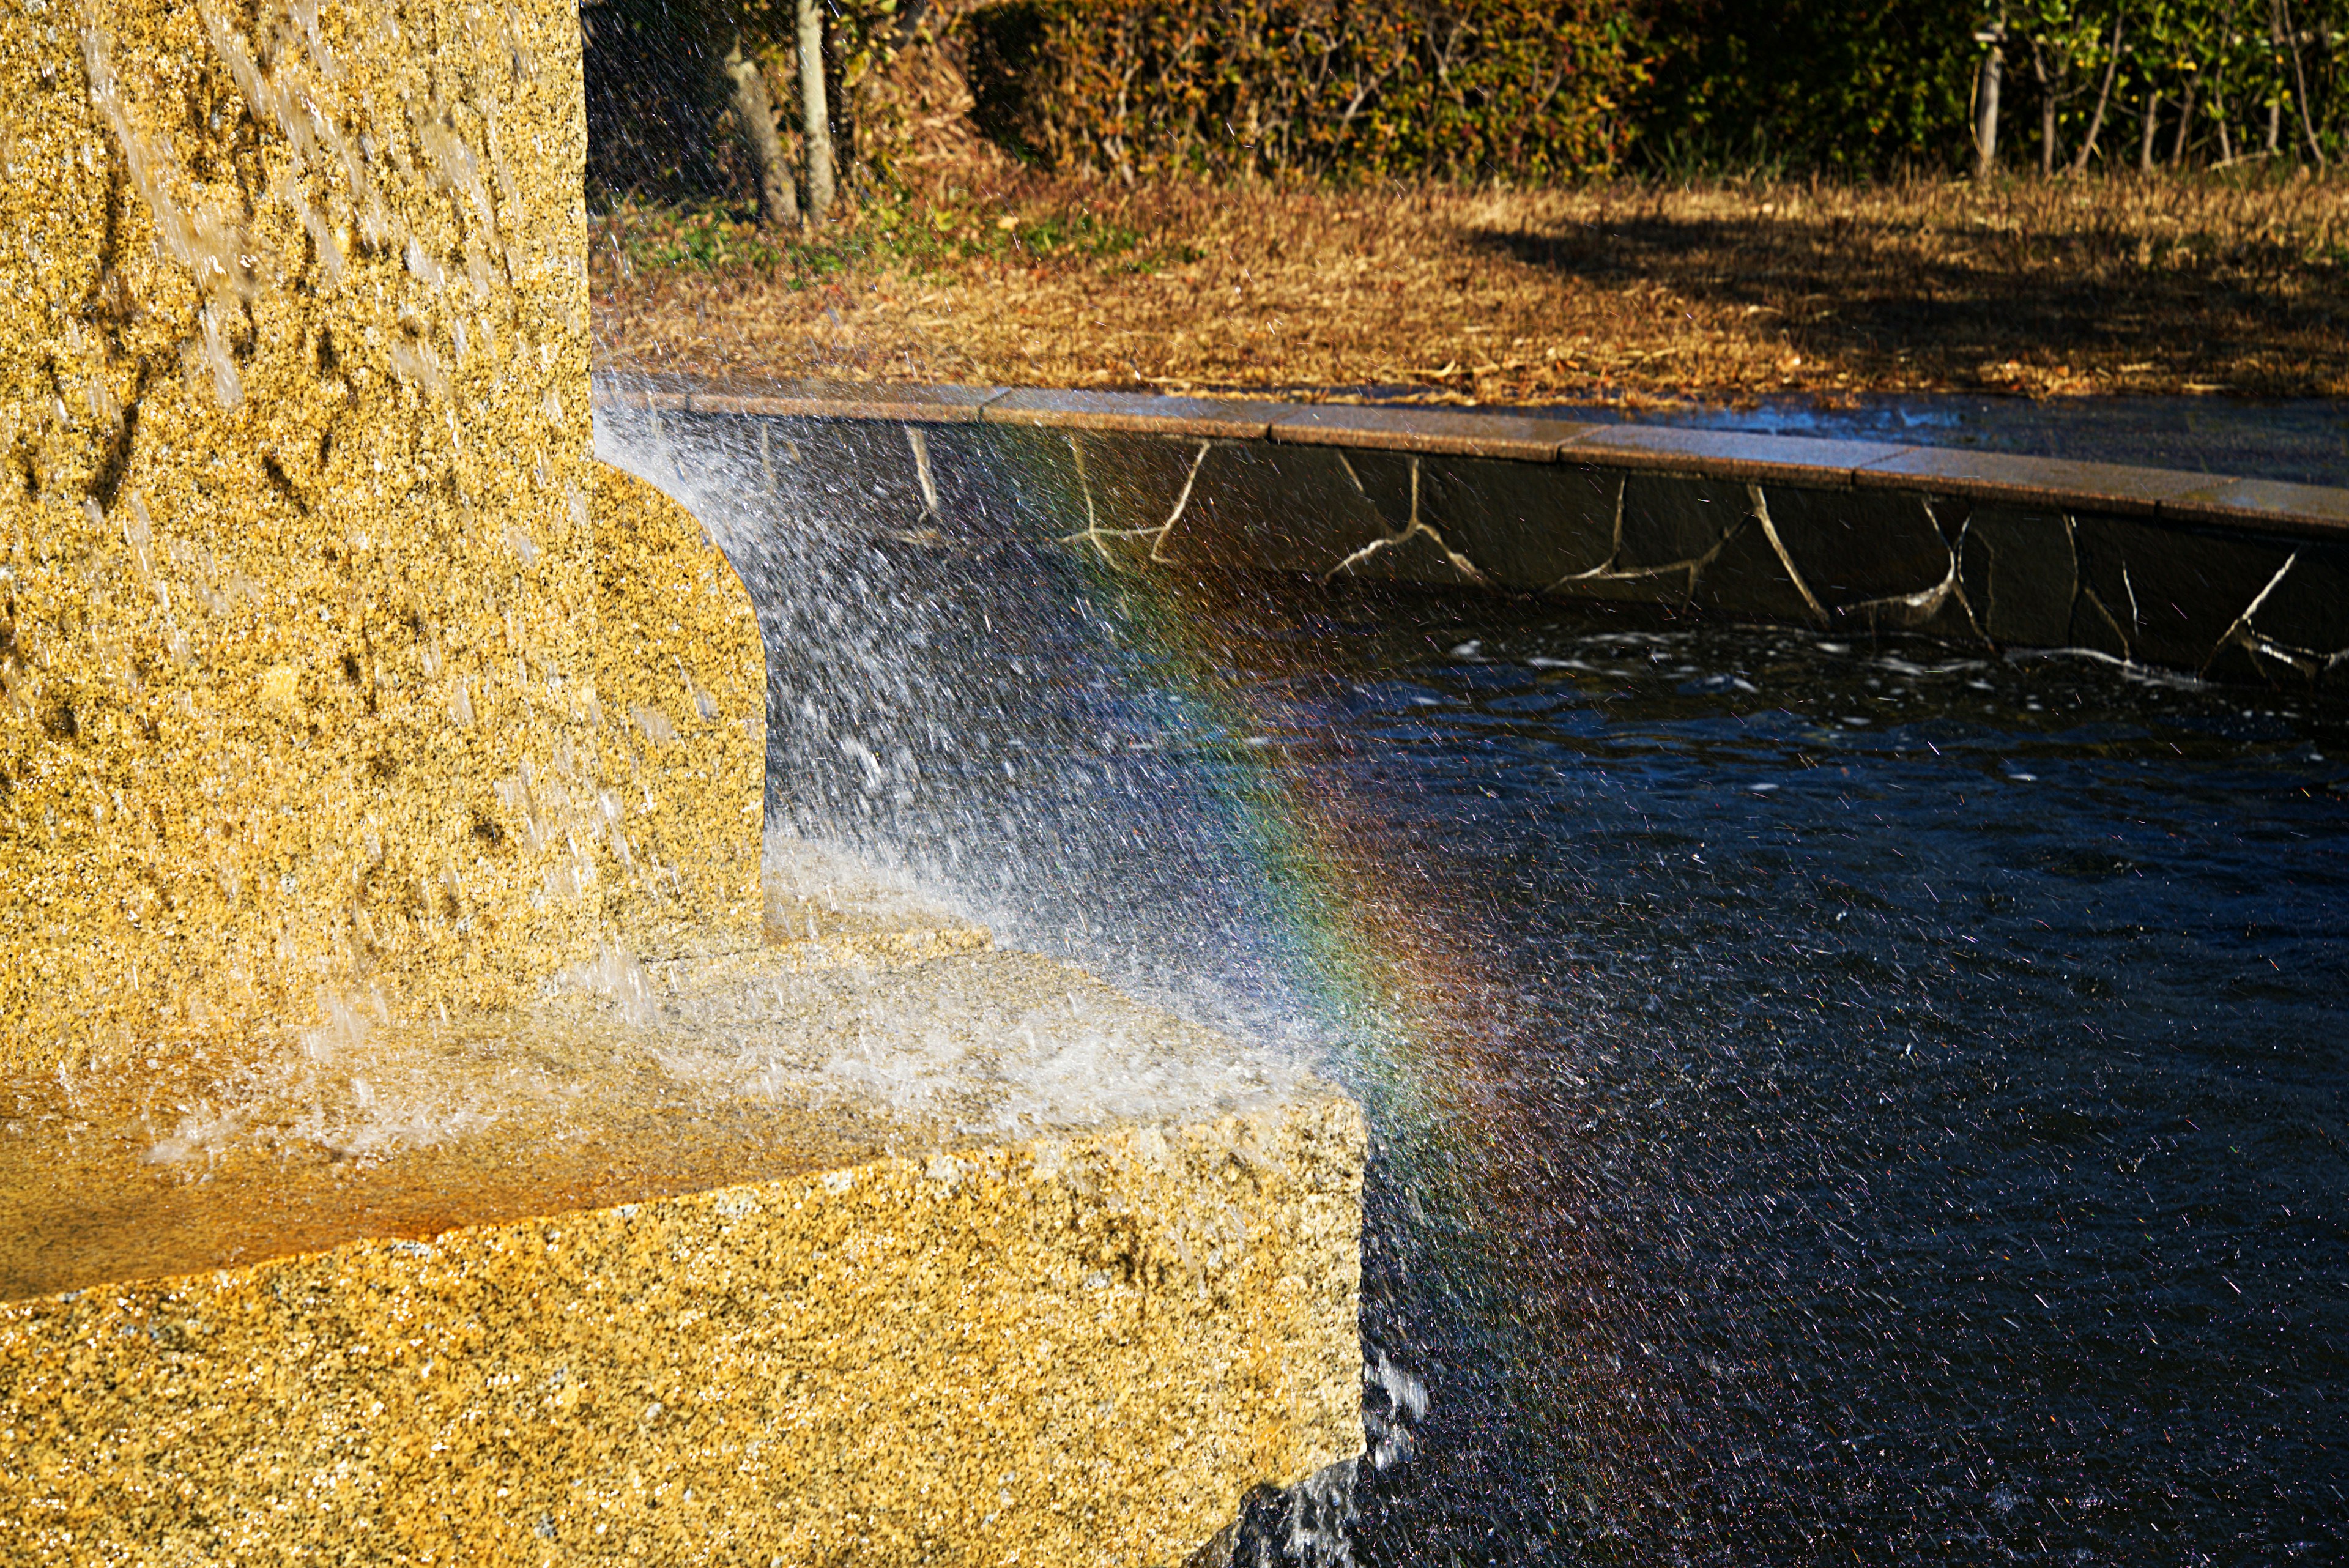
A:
{"x":1852,"y":85}
{"x":1510,"y":90}
{"x":1866,"y":85}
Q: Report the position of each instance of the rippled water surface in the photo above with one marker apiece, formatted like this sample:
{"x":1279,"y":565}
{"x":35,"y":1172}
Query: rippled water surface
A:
{"x":1834,"y":1103}
{"x":1892,"y":1106}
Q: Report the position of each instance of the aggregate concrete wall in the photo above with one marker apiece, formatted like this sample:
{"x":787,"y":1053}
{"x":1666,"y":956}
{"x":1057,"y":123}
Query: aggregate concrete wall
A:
{"x":1068,"y":1351}
{"x":300,"y":574}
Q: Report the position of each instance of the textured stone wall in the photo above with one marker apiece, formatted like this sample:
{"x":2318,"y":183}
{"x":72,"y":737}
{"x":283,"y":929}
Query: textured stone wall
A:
{"x":681,"y":691}
{"x":1071,"y":1352}
{"x":302,"y":685}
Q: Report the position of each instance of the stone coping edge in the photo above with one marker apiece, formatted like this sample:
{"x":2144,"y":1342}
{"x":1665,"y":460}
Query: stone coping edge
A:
{"x":2062,"y":484}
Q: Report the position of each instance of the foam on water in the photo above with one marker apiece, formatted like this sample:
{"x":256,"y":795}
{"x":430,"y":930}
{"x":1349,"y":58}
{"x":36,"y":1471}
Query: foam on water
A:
{"x":629,"y":1078}
{"x":992,"y":1044}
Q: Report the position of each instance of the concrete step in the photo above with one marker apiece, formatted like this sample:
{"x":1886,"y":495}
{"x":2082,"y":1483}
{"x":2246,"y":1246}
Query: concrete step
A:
{"x":724,"y":1257}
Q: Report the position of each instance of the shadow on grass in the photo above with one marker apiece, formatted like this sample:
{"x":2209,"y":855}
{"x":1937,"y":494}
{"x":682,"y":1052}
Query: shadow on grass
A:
{"x":2253,"y":313}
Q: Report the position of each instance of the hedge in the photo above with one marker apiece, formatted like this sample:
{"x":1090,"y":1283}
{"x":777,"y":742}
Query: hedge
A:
{"x":1854,"y":86}
{"x":1483,"y":89}
{"x":1475,"y":89}
{"x":1860,"y":85}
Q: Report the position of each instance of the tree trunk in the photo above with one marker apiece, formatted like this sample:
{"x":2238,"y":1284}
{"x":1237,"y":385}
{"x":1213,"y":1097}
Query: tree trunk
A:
{"x":815,"y":116}
{"x":2275,"y":103}
{"x":2104,"y":97}
{"x":2300,"y":84}
{"x":1993,"y":68}
{"x":2152,"y":125}
{"x":2218,"y":83}
{"x":2185,"y":124}
{"x":2047,"y":104}
{"x":779,"y":205}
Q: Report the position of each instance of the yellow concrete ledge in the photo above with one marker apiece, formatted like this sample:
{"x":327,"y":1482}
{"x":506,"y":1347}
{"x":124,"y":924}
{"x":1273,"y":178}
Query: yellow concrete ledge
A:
{"x":843,"y":1249}
{"x":1073,"y":1350}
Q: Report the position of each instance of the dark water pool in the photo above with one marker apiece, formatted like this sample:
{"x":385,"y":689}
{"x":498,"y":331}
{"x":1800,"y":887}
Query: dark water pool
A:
{"x":1894,"y":1108}
{"x":1835,"y":1102}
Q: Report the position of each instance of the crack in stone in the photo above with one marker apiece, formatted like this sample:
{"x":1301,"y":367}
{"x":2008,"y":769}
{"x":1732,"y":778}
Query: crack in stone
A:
{"x":921,"y":446}
{"x":1094,"y":533}
{"x":1989,"y":578}
{"x":2244,"y":633}
{"x":1915,"y":610}
{"x":2243,"y":621}
{"x":2088,"y":594}
{"x":1904,"y":611}
{"x":1793,"y":574}
{"x":1607,"y":572}
{"x":1416,"y":527}
{"x":1614,"y":544}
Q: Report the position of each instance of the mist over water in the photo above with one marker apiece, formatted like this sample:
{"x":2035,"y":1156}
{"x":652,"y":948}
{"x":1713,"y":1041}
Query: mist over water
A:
{"x":984,"y":709}
{"x":1832,"y":1103}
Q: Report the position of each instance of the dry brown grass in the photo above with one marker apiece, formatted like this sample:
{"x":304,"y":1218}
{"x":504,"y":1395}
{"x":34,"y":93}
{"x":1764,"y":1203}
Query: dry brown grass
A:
{"x":1721,"y":291}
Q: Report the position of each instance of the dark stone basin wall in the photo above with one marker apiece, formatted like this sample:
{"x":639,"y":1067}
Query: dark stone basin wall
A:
{"x":2233,"y":579}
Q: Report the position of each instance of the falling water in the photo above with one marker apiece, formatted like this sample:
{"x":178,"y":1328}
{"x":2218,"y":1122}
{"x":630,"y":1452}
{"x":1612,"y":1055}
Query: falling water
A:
{"x":1832,"y":1102}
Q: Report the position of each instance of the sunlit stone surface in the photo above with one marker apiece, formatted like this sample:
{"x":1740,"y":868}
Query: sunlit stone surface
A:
{"x":1001,"y":1263}
{"x":380,"y":811}
{"x":307,"y":677}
